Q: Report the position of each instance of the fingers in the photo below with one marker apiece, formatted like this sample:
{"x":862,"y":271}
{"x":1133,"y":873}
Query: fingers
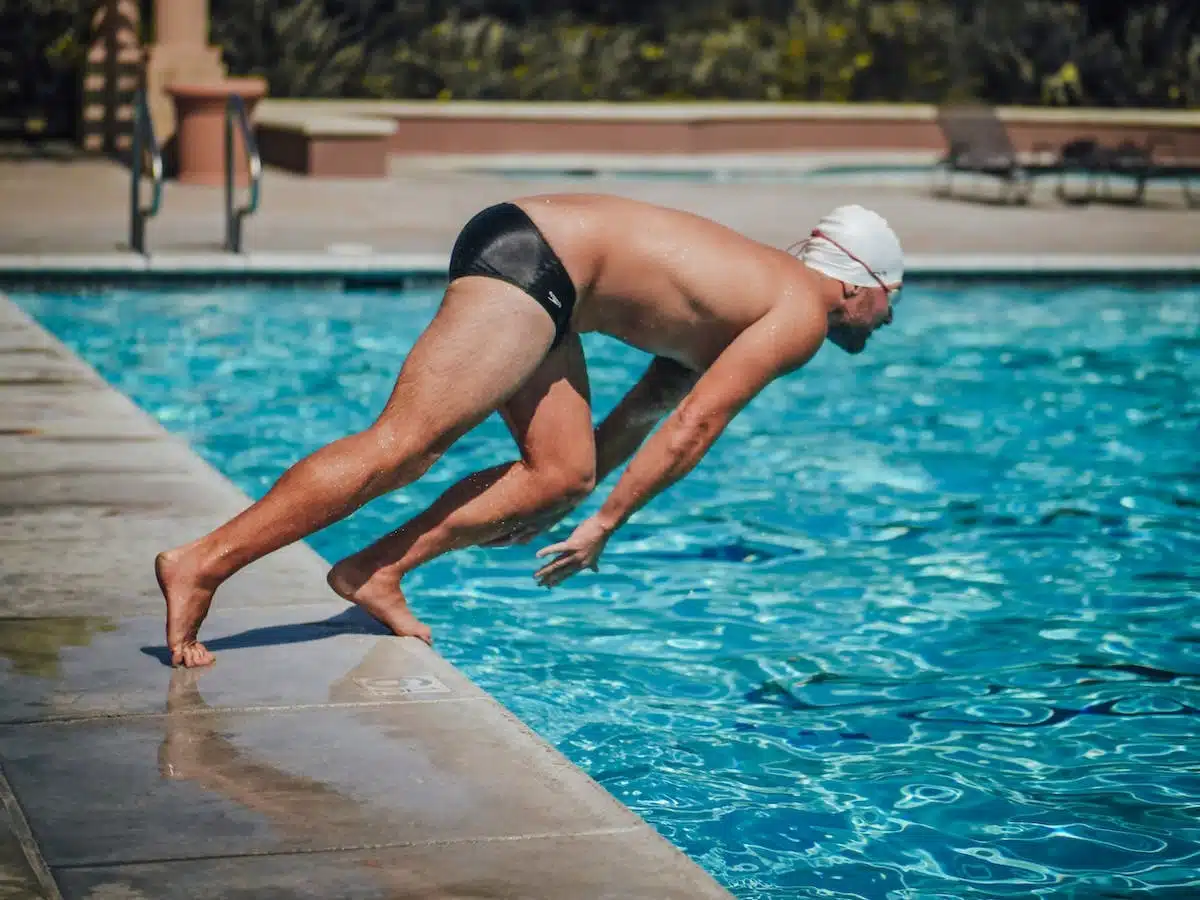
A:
{"x":563,"y":567}
{"x":558,"y":571}
{"x":568,"y":563}
{"x":554,"y":566}
{"x":560,"y":547}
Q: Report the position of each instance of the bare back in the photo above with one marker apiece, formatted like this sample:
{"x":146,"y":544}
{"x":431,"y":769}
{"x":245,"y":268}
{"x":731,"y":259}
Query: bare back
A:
{"x":666,"y":281}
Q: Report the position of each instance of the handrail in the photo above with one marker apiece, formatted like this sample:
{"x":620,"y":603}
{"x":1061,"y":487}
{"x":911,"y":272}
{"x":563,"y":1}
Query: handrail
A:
{"x":236,"y":108}
{"x":144,"y":139}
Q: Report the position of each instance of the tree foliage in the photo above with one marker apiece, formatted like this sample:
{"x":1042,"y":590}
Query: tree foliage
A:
{"x":1037,"y":52}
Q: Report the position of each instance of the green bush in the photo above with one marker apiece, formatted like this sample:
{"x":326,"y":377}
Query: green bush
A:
{"x":1035,"y":52}
{"x":42,"y":46}
{"x":1038,"y":52}
{"x":1044,"y":52}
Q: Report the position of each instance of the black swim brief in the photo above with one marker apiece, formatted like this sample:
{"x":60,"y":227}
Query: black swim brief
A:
{"x":503,"y":242}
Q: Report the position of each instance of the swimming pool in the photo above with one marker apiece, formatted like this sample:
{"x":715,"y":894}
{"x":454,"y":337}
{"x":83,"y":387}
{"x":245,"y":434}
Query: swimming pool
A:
{"x":716,"y":172}
{"x":925,"y":623}
{"x":896,"y":174}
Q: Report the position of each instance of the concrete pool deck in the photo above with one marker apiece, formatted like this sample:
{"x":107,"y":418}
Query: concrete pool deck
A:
{"x":319,"y":758}
{"x":81,"y":206}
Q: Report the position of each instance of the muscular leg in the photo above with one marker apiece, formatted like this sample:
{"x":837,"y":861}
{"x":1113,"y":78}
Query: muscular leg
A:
{"x":486,"y":339}
{"x":550,"y":419}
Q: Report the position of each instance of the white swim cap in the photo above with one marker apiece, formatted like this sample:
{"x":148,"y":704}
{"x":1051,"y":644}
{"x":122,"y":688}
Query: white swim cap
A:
{"x":865,"y":234}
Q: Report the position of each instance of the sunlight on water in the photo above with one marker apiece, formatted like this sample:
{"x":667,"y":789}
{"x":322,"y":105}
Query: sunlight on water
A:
{"x":925,"y":623}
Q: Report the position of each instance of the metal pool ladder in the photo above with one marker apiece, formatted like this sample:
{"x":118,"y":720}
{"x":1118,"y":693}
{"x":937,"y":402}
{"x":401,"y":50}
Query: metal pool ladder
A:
{"x":144,"y":140}
{"x":235,"y":109}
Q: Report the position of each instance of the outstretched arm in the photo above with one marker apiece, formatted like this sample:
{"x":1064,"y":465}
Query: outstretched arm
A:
{"x":781,"y":342}
{"x":658,"y":391}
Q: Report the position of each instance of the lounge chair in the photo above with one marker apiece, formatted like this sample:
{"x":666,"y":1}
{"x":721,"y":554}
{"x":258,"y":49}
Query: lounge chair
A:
{"x":978,"y":143}
{"x":1139,"y":163}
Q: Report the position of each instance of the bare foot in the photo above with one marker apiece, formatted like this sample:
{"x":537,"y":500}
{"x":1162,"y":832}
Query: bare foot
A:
{"x":386,"y":602}
{"x":188,"y":601}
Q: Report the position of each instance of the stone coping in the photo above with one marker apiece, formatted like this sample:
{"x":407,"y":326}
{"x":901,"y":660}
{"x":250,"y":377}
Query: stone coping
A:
{"x":318,"y":758}
{"x":432,"y":267}
{"x":323,"y":125}
{"x":699,"y":111}
{"x":765,"y":161}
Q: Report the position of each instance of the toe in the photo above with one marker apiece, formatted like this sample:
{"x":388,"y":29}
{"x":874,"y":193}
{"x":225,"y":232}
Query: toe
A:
{"x":197,"y":655}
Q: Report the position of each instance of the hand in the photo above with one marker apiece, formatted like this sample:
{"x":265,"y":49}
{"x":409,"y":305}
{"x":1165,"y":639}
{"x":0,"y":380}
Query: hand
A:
{"x":580,"y":551}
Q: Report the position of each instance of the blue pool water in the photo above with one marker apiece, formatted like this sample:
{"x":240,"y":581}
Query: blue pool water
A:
{"x":925,"y":623}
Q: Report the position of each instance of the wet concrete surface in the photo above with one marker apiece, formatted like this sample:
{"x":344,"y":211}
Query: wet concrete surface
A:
{"x":76,"y":666}
{"x":319,"y":756}
{"x":612,"y":866}
{"x":197,"y":783}
{"x":83,"y":207}
{"x":18,"y":881}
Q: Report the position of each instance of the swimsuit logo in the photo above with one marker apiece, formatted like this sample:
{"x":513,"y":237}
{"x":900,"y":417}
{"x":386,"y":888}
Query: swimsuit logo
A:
{"x":555,"y":300}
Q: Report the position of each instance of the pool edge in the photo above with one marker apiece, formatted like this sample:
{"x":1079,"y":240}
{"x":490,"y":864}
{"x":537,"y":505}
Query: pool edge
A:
{"x":675,"y":873}
{"x":431,"y":267}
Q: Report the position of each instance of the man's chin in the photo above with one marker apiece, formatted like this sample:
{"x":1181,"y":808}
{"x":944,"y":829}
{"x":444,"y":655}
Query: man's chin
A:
{"x":853,"y":342}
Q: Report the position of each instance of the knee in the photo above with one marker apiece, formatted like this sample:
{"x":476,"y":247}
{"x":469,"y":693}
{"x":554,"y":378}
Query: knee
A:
{"x":568,"y":480}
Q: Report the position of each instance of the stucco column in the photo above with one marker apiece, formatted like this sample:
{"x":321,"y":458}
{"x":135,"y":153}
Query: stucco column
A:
{"x":180,"y":53}
{"x":181,"y":23}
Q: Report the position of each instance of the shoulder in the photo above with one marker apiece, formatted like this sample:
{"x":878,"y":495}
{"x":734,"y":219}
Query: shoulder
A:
{"x":783,"y":339}
{"x":796,"y":313}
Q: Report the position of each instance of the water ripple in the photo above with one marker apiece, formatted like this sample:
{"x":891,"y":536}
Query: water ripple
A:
{"x":924,"y":624}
